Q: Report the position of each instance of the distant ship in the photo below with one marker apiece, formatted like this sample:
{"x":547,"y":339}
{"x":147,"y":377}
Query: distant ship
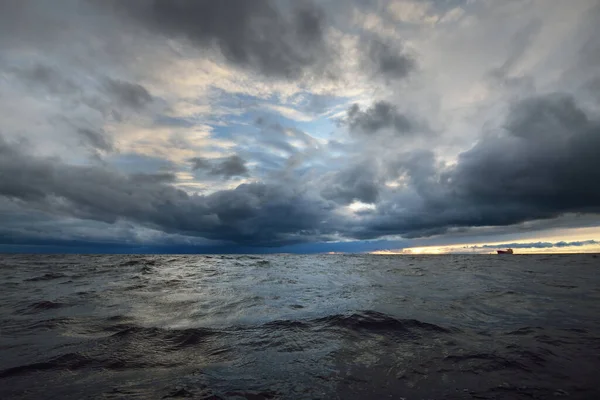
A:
{"x":507,"y":251}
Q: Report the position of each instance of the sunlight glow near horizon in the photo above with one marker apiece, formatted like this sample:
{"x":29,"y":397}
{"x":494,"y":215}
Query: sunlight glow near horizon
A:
{"x":469,"y":246}
{"x":477,"y":249}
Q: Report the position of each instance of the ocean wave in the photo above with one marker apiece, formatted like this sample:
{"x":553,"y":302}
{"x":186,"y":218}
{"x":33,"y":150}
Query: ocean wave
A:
{"x":175,"y":338}
{"x":19,"y":327}
{"x":141,"y":261}
{"x":65,"y":361}
{"x":228,"y":328}
{"x":41,"y":306}
{"x":376,"y":321}
{"x":77,"y":361}
{"x":146,"y":270}
{"x":484,"y":362}
{"x":46,"y":277}
{"x":527,"y":330}
{"x":287,"y":325}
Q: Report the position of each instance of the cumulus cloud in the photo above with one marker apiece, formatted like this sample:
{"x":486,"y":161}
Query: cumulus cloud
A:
{"x":544,"y":162}
{"x":227,"y":167}
{"x":255,"y":34}
{"x":252,"y":213}
{"x":358,"y":183}
{"x":386,"y":59}
{"x":381,"y":115}
{"x":541,"y":165}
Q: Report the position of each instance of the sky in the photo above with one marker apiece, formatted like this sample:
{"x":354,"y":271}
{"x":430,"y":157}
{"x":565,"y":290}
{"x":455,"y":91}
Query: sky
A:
{"x":391,"y":126}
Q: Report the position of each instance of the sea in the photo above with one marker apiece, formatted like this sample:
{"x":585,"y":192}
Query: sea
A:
{"x":300,"y":327}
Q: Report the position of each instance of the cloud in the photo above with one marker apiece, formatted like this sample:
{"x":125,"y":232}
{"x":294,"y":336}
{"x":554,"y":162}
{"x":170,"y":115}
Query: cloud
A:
{"x":128,"y":94}
{"x":544,"y":160}
{"x":357,"y":183}
{"x":386,"y":59}
{"x":257,"y":35}
{"x":55,"y":81}
{"x":381,"y":115}
{"x":96,"y":96}
{"x":522,"y":41}
{"x":277,"y":152}
{"x":97,"y":140}
{"x":144,"y":178}
{"x":272,"y":214}
{"x":227,"y":167}
{"x":540,"y":166}
{"x":44,"y":76}
{"x":256,"y":214}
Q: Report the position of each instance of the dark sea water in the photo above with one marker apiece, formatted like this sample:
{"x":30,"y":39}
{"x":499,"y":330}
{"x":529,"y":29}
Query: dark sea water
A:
{"x":300,"y":327}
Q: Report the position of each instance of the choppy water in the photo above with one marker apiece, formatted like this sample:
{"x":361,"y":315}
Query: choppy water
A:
{"x":300,"y":327}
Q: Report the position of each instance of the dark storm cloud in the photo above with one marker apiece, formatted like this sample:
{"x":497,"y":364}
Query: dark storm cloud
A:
{"x":419,"y":167}
{"x":263,"y":213}
{"x":256,"y":34}
{"x":381,"y":115}
{"x":231,"y":166}
{"x":358,"y":183}
{"x":226,"y":167}
{"x":386,"y":59}
{"x":128,"y":94}
{"x":542,"y":165}
{"x":252,"y":213}
{"x":547,"y":160}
